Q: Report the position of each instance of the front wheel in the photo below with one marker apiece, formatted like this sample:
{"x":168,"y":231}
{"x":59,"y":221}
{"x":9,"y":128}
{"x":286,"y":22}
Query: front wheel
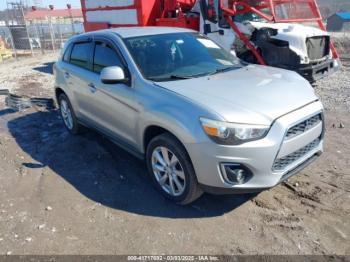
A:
{"x":171,"y":169}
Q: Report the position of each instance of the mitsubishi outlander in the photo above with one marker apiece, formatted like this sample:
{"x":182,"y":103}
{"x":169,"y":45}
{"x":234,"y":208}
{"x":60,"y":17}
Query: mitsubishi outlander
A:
{"x":203,"y":120}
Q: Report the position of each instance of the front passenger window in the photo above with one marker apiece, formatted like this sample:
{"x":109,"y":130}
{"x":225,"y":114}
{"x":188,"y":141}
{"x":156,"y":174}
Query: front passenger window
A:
{"x":105,"y":56}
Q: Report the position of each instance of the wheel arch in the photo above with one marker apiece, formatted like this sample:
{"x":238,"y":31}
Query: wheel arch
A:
{"x":153,"y":131}
{"x":58,"y":92}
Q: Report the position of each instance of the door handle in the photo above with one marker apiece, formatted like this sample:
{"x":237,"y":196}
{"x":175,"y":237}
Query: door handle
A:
{"x":66,"y":75}
{"x":92,"y":88}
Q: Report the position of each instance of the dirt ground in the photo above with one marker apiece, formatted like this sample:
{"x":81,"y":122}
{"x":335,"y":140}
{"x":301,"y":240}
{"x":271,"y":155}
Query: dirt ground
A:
{"x":63,"y":194}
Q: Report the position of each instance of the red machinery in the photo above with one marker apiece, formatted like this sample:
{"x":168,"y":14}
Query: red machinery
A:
{"x":174,"y":13}
{"x":102,"y":14}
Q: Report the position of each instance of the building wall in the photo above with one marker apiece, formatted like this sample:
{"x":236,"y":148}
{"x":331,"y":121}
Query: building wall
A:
{"x":56,"y":20}
{"x":334,"y":23}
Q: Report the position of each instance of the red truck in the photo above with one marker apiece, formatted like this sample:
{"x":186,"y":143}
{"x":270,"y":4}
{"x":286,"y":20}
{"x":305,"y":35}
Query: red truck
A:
{"x":288,"y":34}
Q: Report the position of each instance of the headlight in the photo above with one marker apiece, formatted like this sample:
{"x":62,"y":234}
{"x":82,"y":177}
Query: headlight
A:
{"x":231,"y":133}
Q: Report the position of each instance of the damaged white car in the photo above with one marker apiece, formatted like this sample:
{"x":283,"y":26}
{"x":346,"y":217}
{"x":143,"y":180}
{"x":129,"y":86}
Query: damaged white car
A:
{"x":272,"y":33}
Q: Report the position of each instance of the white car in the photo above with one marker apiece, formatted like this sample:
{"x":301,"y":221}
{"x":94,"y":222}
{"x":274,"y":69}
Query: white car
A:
{"x":298,"y":47}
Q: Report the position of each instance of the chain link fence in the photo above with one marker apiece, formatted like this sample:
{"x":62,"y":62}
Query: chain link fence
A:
{"x":35,"y":39}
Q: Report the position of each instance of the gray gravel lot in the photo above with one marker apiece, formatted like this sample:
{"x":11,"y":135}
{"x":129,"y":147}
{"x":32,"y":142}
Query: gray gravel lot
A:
{"x":61,"y":194}
{"x":334,"y":91}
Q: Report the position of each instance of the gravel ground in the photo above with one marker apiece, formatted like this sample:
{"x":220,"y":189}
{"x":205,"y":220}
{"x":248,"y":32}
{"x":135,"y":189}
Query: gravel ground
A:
{"x":61,"y":194}
{"x":334,"y":91}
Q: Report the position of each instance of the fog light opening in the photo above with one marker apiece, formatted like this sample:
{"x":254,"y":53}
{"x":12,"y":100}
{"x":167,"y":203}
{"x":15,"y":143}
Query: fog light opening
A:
{"x":235,"y":174}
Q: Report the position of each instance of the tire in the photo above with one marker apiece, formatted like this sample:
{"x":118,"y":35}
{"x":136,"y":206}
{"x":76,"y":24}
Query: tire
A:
{"x":66,"y":110}
{"x":179,"y":171}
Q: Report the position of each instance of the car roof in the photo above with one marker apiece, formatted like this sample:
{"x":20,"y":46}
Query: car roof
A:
{"x":126,"y":32}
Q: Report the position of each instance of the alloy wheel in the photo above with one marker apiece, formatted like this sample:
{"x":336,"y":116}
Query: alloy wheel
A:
{"x":168,"y":171}
{"x":66,"y":114}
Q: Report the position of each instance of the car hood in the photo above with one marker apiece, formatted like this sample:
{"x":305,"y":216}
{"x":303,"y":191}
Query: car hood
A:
{"x":298,"y":29}
{"x":295,"y":34}
{"x":253,"y":94}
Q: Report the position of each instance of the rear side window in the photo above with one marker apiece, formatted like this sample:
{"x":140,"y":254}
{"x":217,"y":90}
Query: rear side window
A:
{"x":80,"y":55}
{"x":105,"y":56}
{"x":66,"y":55}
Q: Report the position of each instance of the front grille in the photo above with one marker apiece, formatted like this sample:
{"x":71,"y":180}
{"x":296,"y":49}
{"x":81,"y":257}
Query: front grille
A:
{"x":281,"y":163}
{"x":318,"y":47}
{"x":303,"y":126}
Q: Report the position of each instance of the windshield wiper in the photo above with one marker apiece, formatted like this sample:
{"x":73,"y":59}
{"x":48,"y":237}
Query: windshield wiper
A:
{"x":221,"y":70}
{"x":180,"y":77}
{"x":171,"y":77}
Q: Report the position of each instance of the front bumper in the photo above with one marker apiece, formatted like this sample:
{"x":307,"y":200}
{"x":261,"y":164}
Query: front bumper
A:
{"x":222,"y":191}
{"x":258,"y":156}
{"x":317,"y":71}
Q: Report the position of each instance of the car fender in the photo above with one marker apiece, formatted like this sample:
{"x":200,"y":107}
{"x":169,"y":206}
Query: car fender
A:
{"x":183,"y":126}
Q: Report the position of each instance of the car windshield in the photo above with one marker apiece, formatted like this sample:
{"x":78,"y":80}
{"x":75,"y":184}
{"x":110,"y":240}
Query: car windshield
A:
{"x":178,"y":56}
{"x":250,"y":16}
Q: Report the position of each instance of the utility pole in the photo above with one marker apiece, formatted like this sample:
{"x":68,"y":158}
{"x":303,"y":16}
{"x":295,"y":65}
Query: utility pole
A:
{"x":25,"y":25}
{"x":60,"y":32}
{"x":51,"y":7}
{"x":69,"y":6}
{"x":51,"y":34}
{"x":7,"y":14}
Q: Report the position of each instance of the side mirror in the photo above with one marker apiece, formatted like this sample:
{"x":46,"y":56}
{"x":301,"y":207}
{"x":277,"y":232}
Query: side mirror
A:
{"x":113,"y":75}
{"x":207,"y":29}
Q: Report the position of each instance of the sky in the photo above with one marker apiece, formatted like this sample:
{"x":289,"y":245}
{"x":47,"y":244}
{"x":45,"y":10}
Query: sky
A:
{"x":44,"y":3}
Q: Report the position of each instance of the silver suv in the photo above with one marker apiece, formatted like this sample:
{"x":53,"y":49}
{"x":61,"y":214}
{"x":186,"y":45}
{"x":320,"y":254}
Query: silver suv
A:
{"x":203,"y":120}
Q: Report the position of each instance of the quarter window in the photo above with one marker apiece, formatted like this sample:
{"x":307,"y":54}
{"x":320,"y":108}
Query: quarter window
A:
{"x":105,"y":56}
{"x":80,"y":55}
{"x":66,"y":55}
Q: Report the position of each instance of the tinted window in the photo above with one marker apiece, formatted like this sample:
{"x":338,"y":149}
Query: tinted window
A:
{"x":66,"y":55}
{"x":80,"y":55}
{"x":105,"y":56}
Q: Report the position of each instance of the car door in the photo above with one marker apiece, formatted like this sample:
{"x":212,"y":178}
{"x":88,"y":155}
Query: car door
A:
{"x":112,"y":105}
{"x":212,"y":16}
{"x":78,"y":74}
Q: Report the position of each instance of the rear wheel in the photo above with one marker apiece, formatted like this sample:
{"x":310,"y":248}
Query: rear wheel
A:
{"x":171,"y":170}
{"x":68,"y":116}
